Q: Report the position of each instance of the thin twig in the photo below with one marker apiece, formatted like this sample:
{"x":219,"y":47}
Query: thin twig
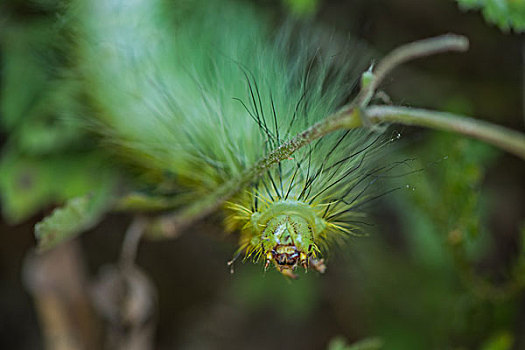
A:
{"x":409,"y":52}
{"x":506,"y":139}
{"x":131,"y":242}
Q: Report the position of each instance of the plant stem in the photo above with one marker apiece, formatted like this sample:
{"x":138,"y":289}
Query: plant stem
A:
{"x":131,"y":242}
{"x":355,"y":115}
{"x":506,"y":139}
{"x":408,"y":52}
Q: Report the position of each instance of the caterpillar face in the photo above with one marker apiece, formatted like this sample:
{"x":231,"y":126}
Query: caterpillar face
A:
{"x":284,"y":240}
{"x":286,"y":256}
{"x":285,"y":233}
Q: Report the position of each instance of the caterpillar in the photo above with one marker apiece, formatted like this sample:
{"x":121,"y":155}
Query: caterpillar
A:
{"x":193,"y":93}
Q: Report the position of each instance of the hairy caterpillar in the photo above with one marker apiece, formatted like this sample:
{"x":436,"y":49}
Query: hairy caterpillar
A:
{"x":194,"y":93}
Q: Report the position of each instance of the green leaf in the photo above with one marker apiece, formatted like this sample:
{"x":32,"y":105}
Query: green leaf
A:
{"x":76,"y":216}
{"x":29,"y":184}
{"x":39,"y":104}
{"x":506,"y":14}
{"x":24,"y":73}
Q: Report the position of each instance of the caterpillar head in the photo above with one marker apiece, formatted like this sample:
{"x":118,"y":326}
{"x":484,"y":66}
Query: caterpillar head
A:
{"x":285,"y":234}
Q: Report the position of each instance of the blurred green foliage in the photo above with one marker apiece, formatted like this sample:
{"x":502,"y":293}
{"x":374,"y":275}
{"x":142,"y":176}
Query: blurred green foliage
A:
{"x":437,"y":298}
{"x":500,"y":341}
{"x":77,"y":215}
{"x":339,"y":343}
{"x":302,"y":8}
{"x":29,"y":184}
{"x":49,"y":157}
{"x":506,"y":14}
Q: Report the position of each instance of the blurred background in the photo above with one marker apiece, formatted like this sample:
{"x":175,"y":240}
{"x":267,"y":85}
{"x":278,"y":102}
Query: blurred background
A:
{"x":442,"y":268}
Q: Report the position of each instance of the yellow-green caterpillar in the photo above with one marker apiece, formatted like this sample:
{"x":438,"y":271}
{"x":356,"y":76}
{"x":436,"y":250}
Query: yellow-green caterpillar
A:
{"x":194,"y":92}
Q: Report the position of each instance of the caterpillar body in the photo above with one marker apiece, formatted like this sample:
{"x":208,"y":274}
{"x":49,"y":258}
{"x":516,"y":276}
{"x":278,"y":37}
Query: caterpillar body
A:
{"x":194,"y":93}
